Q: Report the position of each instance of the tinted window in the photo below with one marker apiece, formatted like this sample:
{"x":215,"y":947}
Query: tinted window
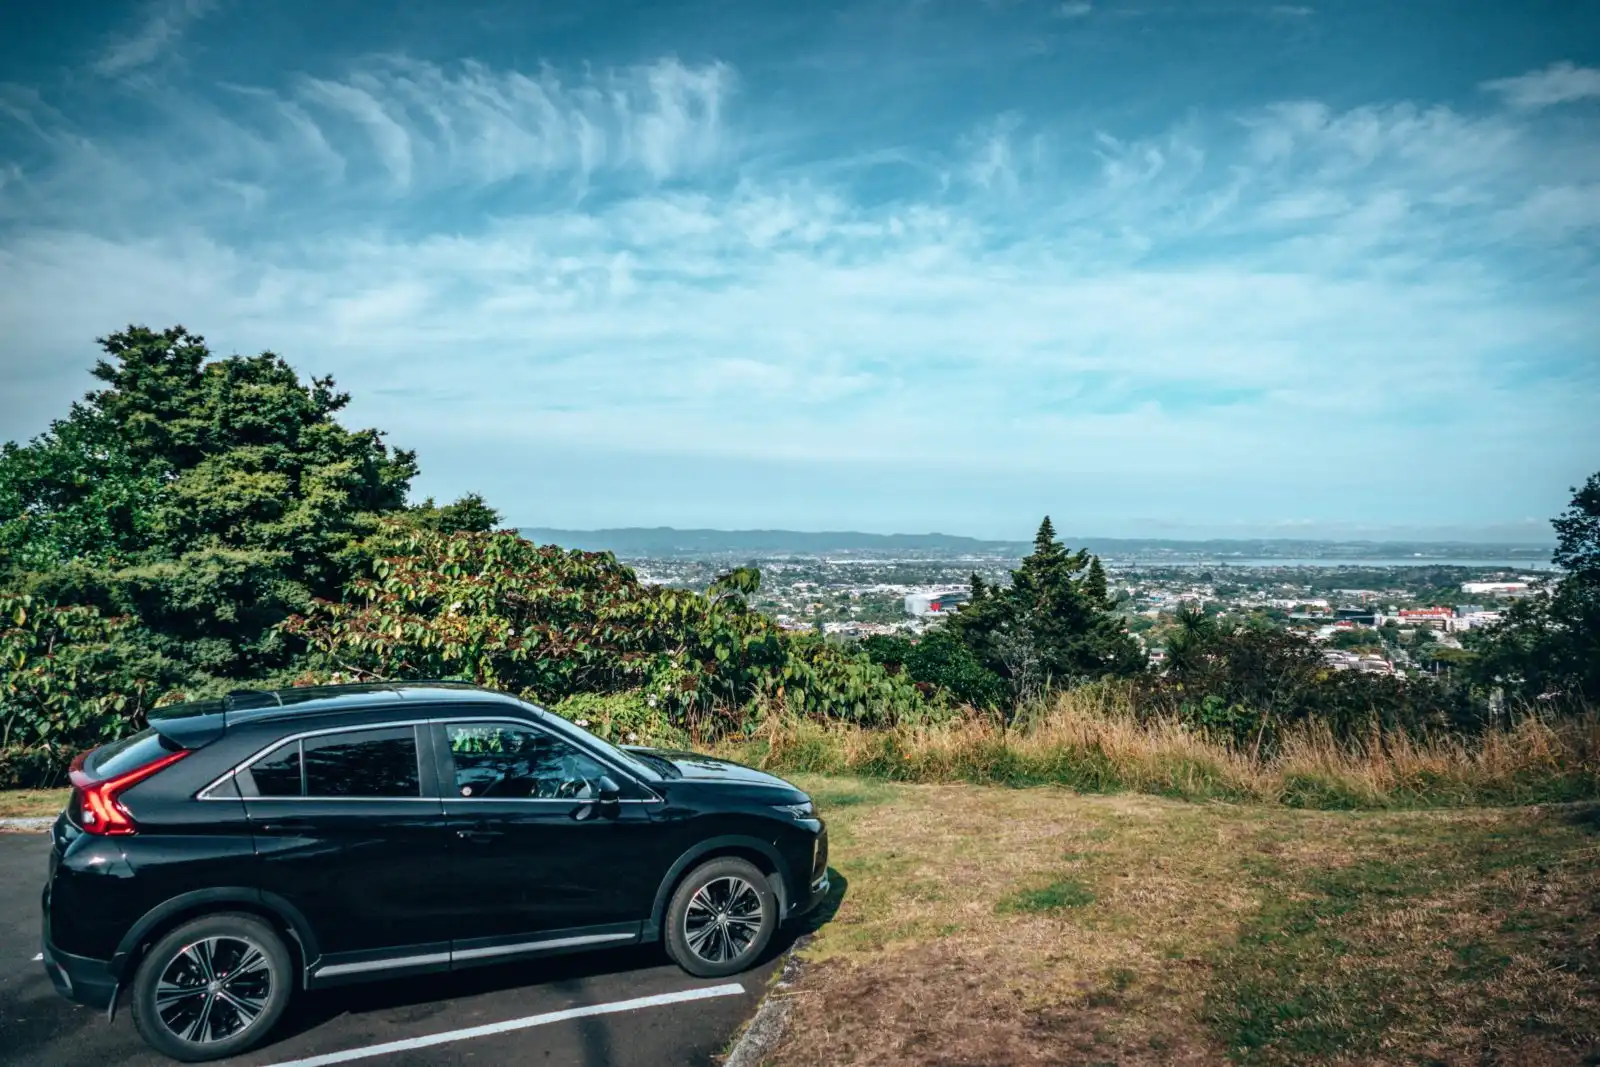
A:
{"x":362,"y":763}
{"x":278,"y":775}
{"x":129,"y":754}
{"x":500,"y":760}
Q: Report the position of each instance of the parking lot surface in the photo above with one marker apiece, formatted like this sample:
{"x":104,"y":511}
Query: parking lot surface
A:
{"x":622,"y":1008}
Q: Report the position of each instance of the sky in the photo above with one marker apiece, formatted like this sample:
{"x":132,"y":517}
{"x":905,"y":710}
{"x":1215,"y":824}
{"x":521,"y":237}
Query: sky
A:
{"x":1189,"y":269}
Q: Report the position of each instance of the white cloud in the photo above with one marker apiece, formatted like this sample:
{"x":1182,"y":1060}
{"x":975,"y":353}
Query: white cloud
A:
{"x":476,"y":125}
{"x":1559,"y":83}
{"x":1074,"y":9}
{"x":161,"y":26}
{"x":1260,"y":294}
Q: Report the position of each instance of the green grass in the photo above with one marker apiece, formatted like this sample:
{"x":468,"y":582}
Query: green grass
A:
{"x":1039,"y":925}
{"x":1335,"y":961}
{"x":32,"y":803}
{"x":1057,"y":896}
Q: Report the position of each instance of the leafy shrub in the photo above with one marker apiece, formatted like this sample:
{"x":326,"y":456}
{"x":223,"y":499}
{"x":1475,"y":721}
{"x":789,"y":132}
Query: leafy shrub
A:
{"x":68,"y":681}
{"x":497,"y":610}
{"x":627,"y":718}
{"x":940,"y":658}
{"x":1247,"y":684}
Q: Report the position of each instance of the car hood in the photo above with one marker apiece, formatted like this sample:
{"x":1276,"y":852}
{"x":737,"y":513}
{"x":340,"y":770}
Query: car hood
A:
{"x":697,"y":768}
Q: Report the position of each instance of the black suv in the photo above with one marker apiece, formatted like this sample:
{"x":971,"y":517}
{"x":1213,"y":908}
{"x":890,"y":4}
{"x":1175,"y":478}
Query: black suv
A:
{"x":240,"y":849}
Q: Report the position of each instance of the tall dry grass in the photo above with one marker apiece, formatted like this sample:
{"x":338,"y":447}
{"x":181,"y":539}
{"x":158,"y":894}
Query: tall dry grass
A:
{"x":1090,"y":741}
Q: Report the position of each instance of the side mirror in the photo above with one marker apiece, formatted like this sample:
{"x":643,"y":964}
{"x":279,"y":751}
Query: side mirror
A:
{"x":607,"y":791}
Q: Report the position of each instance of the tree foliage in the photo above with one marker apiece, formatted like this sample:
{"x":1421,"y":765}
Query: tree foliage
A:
{"x":66,"y":680}
{"x":470,"y":514}
{"x":1548,"y":646}
{"x":206,"y":498}
{"x":497,"y":610}
{"x":1247,"y":684}
{"x":939,"y":658}
{"x":1052,"y":626}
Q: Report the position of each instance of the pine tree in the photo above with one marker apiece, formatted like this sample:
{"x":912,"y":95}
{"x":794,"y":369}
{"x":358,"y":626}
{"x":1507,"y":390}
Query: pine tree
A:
{"x":1052,"y":625}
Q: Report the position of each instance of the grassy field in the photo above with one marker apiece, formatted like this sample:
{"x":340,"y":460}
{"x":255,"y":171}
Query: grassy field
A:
{"x":985,"y":925}
{"x":1094,"y":744}
{"x":19,"y":803}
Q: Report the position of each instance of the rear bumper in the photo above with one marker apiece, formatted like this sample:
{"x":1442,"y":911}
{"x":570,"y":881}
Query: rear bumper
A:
{"x":78,"y":978}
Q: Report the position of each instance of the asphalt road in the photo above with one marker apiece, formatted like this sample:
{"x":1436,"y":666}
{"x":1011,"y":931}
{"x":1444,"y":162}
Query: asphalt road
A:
{"x":40,"y":1029}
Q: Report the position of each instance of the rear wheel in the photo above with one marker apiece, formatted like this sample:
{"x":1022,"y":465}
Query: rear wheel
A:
{"x":721,"y":918}
{"x":211,"y":988}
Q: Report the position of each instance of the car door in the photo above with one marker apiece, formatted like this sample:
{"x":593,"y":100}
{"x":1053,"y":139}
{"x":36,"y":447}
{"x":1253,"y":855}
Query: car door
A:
{"x":537,"y":861}
{"x":349,"y":831}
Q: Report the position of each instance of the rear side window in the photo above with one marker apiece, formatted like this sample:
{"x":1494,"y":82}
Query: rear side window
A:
{"x":278,"y":774}
{"x":355,"y":763}
{"x":370,"y":763}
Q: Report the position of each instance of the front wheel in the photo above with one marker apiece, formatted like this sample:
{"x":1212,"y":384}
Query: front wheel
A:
{"x":211,"y":988}
{"x":720,"y":918}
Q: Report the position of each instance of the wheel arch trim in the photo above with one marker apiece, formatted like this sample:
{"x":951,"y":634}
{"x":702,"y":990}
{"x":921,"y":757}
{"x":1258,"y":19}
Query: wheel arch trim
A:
{"x":201,"y":902}
{"x":710,"y":848}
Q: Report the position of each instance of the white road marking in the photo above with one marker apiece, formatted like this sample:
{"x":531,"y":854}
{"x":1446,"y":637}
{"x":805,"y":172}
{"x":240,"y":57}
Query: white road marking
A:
{"x":37,"y":956}
{"x":731,"y":989}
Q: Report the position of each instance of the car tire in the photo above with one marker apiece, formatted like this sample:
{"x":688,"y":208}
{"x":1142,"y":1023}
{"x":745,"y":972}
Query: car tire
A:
{"x":721,"y":918}
{"x":241,"y":975}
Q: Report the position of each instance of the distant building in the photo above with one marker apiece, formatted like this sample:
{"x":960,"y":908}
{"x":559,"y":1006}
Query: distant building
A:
{"x":1496,"y":588}
{"x":1358,"y":616}
{"x":922,"y":605}
{"x":1437,"y":618}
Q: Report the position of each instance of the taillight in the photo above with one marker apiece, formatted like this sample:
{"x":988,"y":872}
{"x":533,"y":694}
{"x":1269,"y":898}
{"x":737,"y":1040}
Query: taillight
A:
{"x":96,"y":801}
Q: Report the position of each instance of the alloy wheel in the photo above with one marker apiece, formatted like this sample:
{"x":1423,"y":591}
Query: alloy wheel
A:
{"x":213,"y":989}
{"x":723,"y":919}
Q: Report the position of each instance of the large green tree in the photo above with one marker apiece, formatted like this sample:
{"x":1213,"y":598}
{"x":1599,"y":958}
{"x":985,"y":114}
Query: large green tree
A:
{"x":206,"y":498}
{"x":1052,"y":626}
{"x":1548,"y":646}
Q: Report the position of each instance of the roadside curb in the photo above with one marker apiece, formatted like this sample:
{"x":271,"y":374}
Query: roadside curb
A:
{"x":25,"y":826}
{"x":766,"y":1029}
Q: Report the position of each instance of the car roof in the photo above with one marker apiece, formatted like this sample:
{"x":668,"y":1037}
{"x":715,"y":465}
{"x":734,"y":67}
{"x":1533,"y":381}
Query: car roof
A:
{"x":245,"y":706}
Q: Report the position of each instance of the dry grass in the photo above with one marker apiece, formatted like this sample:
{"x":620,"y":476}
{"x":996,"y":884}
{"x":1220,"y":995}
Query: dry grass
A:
{"x":24,"y":803}
{"x":1091,"y":744}
{"x":1001,"y":926}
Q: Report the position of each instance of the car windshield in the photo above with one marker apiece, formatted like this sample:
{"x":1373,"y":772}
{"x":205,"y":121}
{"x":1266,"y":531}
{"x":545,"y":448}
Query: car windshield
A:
{"x":664,"y":767}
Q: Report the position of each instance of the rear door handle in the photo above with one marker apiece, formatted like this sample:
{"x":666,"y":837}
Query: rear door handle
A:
{"x":288,"y":826}
{"x":478,"y":837}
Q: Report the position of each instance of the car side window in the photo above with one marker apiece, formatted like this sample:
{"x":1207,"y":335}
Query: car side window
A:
{"x":277,"y":774}
{"x":353,"y":763}
{"x":499,"y":761}
{"x":364,"y":763}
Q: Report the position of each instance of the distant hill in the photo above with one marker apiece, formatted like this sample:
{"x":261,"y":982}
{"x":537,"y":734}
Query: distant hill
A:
{"x":665,"y":542}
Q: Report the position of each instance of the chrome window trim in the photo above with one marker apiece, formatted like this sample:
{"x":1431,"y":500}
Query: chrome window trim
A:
{"x":295,"y":738}
{"x":205,"y":794}
{"x":598,"y":757}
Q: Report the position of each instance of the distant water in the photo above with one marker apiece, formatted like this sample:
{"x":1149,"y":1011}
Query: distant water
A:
{"x":1398,"y":561}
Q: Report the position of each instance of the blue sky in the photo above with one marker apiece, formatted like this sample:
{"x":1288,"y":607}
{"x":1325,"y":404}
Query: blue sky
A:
{"x":1165,"y":269}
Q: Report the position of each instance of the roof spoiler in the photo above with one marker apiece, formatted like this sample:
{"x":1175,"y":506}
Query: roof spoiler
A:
{"x":197,"y":724}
